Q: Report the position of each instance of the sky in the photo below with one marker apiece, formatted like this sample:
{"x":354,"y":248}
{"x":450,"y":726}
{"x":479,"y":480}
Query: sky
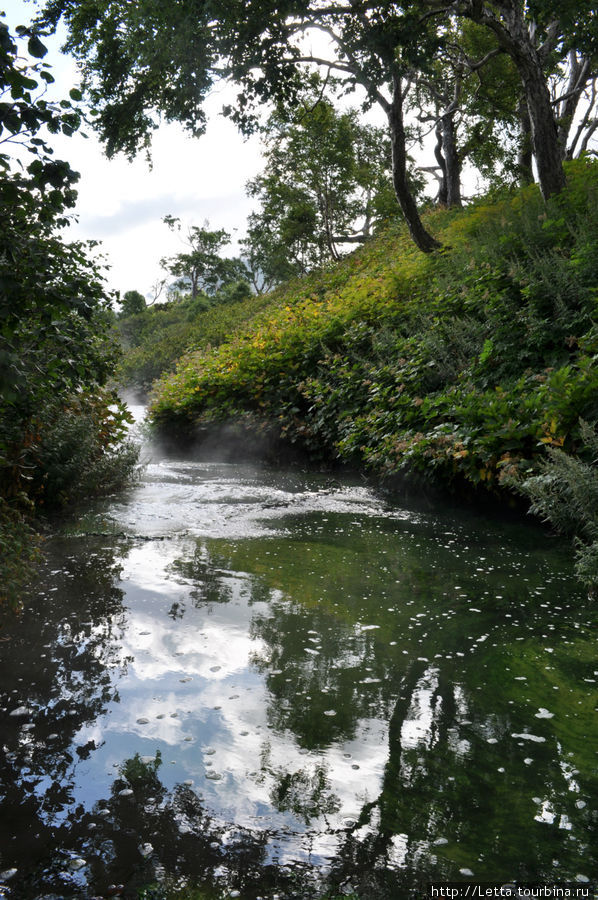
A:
{"x":122,"y":204}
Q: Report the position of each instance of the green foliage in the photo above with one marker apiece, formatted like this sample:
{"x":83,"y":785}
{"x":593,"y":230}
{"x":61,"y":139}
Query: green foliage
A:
{"x":19,"y":549}
{"x":565,"y":493}
{"x":157,"y":338}
{"x":466,"y":366}
{"x":326,"y":182}
{"x":59,"y":427}
{"x":132,"y":302}
{"x":202,"y":269}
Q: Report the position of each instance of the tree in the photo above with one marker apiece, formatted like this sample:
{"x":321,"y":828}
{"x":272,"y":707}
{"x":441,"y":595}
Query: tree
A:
{"x":202,"y":269}
{"x":537,"y":36}
{"x":56,"y":350}
{"x":140,"y":60}
{"x":325,"y":185}
{"x":132,"y":302}
{"x":469,"y":98}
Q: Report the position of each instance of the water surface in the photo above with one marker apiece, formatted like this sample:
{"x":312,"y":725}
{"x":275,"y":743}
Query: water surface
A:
{"x":275,"y":684}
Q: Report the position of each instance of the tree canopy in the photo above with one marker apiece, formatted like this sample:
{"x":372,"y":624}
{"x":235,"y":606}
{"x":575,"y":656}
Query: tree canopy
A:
{"x":325,"y":186}
{"x":143,"y":61}
{"x":202,"y":268}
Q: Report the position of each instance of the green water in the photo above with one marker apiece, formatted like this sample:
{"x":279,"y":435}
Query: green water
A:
{"x":269,"y":684}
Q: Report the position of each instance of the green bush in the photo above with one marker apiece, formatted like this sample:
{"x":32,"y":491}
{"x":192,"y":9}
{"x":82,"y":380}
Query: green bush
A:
{"x":19,"y":548}
{"x":565,"y":493}
{"x":154,"y":340}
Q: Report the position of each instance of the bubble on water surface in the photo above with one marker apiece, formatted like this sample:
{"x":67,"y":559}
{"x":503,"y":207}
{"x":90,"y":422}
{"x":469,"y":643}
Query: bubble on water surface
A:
{"x":146,"y":850}
{"x":530,"y":737}
{"x":126,"y":792}
{"x":8,"y":874}
{"x":329,"y":712}
{"x":467,"y":872}
{"x":544,"y":714}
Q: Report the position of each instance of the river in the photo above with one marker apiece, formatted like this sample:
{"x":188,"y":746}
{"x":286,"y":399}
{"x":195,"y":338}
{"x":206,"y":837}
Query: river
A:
{"x":271,"y":683}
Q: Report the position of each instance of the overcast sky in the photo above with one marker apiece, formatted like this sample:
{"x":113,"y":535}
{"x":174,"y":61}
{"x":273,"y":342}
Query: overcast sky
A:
{"x":122,"y":204}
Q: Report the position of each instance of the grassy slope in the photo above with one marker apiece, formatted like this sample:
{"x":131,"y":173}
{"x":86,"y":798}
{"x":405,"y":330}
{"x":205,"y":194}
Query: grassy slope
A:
{"x":466,"y":363}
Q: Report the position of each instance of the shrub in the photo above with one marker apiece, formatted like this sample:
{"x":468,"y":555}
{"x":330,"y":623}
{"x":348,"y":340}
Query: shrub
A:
{"x":565,"y":493}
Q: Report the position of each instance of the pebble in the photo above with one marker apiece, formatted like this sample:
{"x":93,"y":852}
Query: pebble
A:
{"x":127,"y":792}
{"x":146,"y":850}
{"x":142,"y":721}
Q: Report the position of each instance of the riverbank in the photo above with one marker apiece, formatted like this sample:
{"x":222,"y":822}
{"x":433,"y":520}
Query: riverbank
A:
{"x":471,"y":368}
{"x":464,"y":365}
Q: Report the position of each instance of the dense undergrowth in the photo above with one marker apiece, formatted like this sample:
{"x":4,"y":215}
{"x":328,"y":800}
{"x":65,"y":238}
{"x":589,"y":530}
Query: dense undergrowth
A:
{"x":158,"y":337}
{"x":465,"y":365}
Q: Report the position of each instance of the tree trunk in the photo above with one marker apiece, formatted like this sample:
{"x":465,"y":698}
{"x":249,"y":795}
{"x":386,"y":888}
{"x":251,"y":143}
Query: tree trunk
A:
{"x":422,"y":239}
{"x":524,"y":153}
{"x":442,"y":196}
{"x":545,"y":137}
{"x":506,"y":20}
{"x":452,"y":161}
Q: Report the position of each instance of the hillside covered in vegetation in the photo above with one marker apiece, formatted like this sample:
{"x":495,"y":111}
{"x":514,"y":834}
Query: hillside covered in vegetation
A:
{"x":466,"y":365}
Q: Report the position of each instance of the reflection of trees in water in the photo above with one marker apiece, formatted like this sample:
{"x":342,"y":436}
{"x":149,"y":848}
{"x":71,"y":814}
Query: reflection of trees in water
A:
{"x":314,"y":666}
{"x":55,"y":693}
{"x":456,"y":790}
